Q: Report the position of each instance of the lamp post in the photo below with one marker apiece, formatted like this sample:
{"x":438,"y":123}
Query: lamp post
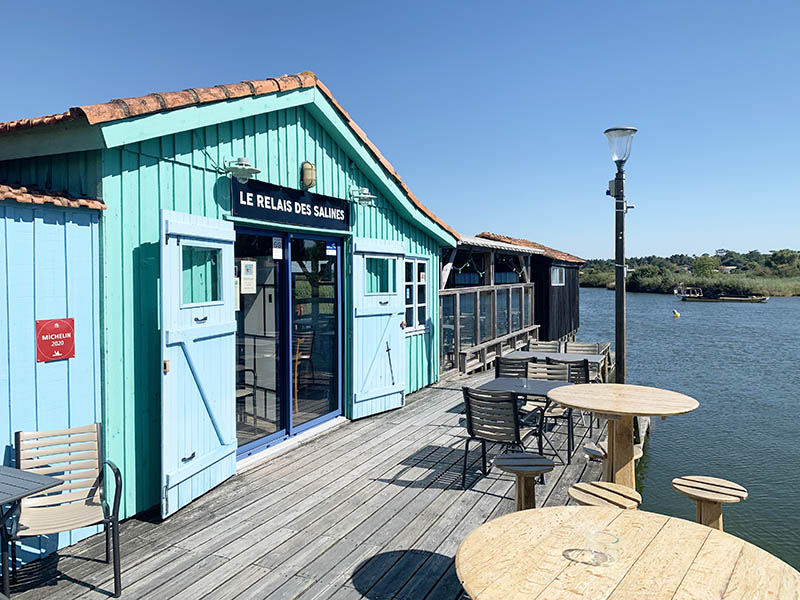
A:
{"x":620,"y":140}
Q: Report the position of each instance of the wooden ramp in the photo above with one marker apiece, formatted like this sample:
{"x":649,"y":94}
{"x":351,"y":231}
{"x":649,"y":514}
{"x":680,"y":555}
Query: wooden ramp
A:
{"x":372,"y":509}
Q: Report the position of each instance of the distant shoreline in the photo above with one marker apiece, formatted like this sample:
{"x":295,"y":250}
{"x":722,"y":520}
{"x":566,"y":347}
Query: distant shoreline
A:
{"x":726,"y":285}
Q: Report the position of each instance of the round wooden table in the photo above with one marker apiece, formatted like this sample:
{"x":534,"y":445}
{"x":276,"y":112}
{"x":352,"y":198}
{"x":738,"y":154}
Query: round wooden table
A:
{"x":540,"y":554}
{"x":620,"y":403}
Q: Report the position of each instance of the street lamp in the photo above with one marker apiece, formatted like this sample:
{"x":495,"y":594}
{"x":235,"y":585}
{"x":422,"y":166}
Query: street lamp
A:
{"x":620,"y":140}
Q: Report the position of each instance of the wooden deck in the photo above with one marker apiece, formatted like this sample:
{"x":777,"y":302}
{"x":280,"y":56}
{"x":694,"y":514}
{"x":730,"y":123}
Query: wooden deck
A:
{"x":372,"y":509}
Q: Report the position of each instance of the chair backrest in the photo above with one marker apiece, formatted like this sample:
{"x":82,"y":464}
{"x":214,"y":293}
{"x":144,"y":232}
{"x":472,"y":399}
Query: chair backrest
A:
{"x":304,"y":342}
{"x":73,"y":455}
{"x":582,"y":348}
{"x":554,"y":346}
{"x":492,"y":416}
{"x":511,"y":367}
{"x":548,"y":371}
{"x":578,"y":369}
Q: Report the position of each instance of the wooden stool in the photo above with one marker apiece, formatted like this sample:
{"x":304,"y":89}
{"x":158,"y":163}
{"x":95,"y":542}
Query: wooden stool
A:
{"x":527,"y":467}
{"x":604,"y":493}
{"x":709,"y":493}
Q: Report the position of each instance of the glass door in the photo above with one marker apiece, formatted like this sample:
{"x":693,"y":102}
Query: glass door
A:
{"x":315,"y":324}
{"x":260,"y":414}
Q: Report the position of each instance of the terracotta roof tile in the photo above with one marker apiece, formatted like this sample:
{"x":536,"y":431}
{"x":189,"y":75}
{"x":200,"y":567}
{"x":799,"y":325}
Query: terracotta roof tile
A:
{"x":28,"y":195}
{"x":548,"y":252}
{"x":125,"y":108}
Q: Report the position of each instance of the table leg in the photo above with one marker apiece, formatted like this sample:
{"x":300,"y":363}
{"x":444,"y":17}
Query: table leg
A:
{"x":526,"y":494}
{"x":620,"y":452}
{"x":710,"y":514}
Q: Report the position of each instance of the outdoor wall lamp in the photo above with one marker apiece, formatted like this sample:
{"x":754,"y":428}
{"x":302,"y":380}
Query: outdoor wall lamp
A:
{"x":620,"y":140}
{"x":308,"y":175}
{"x":362,"y":195}
{"x":241,"y":169}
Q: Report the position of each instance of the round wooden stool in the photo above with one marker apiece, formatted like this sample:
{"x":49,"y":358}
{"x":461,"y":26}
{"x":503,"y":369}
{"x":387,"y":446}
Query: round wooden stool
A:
{"x":604,"y":493}
{"x":709,"y":493}
{"x":527,"y":467}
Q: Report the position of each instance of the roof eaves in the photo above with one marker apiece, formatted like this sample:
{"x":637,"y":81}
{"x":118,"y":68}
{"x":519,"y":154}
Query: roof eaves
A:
{"x":27,"y":195}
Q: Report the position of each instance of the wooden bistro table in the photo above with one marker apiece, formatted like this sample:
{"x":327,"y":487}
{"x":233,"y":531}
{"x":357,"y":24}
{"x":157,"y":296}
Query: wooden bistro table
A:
{"x":15,"y":485}
{"x":620,"y":403}
{"x":542,"y":554}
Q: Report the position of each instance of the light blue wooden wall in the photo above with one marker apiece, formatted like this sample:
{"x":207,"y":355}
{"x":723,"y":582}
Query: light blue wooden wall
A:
{"x":48,"y":269}
{"x":183,"y":172}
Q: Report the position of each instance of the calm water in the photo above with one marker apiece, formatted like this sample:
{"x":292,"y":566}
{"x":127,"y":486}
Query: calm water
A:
{"x":742,"y":363}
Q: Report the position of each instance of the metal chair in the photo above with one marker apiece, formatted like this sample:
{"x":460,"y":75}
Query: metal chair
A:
{"x":494,"y":417}
{"x":511,"y":367}
{"x":591,"y":348}
{"x":578,"y":373}
{"x":552,"y":411}
{"x":538,"y":346}
{"x":75,"y":456}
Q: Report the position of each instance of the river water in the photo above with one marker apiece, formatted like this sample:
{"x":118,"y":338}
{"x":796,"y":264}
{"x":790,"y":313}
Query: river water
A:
{"x":742,"y":363}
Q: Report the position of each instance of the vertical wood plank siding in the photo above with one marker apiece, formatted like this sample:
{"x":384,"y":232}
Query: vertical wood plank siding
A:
{"x":183,"y":172}
{"x":48,"y":269}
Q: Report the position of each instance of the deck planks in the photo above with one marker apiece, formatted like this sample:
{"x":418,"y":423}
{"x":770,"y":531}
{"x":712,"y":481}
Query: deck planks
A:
{"x":372,"y":509}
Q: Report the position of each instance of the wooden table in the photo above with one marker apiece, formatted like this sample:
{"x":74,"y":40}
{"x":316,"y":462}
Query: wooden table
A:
{"x":539,"y":554}
{"x":527,"y":467}
{"x":15,"y":485}
{"x":709,"y":493}
{"x":619,"y":403}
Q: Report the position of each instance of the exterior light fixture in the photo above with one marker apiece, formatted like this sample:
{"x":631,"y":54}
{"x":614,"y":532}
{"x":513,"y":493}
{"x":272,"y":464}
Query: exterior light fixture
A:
{"x":308,"y":175}
{"x":241,"y":169}
{"x":362,"y":195}
{"x":620,"y":140}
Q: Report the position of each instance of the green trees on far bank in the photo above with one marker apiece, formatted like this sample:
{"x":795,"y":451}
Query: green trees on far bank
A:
{"x":724,"y":272}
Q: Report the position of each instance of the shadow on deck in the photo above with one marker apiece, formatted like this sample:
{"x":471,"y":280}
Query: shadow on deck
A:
{"x":371,"y":509}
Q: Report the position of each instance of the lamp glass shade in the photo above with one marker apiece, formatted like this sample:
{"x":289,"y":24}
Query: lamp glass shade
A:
{"x":620,"y":140}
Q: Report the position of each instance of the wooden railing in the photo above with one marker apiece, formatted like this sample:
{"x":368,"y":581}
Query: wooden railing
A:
{"x":480,"y":323}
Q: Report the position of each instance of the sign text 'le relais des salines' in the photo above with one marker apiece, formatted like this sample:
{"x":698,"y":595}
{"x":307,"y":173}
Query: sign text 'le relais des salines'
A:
{"x":55,"y":339}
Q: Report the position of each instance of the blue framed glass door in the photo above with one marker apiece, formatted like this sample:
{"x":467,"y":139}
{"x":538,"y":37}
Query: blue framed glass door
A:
{"x":289,"y":341}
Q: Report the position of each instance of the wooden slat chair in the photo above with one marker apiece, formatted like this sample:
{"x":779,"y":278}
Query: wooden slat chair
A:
{"x":75,"y":456}
{"x":553,"y":411}
{"x":304,"y":345}
{"x":494,"y":417}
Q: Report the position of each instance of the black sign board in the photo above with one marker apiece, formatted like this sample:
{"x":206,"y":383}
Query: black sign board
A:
{"x":268,"y":202}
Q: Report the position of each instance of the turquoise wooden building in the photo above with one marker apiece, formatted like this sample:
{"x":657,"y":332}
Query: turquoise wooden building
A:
{"x":225,"y":310}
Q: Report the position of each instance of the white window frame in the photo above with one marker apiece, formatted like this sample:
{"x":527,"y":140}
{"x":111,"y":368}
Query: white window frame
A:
{"x":558,"y":276}
{"x":382,"y":257}
{"x":416,"y":328}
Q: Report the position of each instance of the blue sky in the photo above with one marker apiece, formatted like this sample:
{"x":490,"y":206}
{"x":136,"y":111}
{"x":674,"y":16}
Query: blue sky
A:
{"x":493,"y":113}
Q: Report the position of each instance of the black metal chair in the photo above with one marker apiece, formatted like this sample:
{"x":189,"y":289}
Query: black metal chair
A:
{"x":578,"y":372}
{"x":553,"y":412}
{"x":511,"y":367}
{"x":494,"y":417}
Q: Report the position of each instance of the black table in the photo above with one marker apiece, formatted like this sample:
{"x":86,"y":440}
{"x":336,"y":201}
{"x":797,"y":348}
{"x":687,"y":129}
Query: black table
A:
{"x":524,"y":387}
{"x":15,"y":485}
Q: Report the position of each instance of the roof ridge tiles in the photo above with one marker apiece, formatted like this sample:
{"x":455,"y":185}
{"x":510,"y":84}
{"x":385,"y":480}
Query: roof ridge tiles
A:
{"x":31,"y":195}
{"x":548,"y":252}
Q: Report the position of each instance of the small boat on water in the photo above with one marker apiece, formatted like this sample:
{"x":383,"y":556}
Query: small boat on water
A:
{"x":695,"y":294}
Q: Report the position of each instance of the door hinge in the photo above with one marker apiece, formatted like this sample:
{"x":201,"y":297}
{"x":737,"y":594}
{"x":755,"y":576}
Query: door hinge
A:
{"x":166,"y":500}
{"x":165,"y":366}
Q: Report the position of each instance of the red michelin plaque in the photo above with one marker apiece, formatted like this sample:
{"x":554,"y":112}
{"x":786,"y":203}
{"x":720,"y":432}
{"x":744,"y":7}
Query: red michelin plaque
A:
{"x":55,"y":339}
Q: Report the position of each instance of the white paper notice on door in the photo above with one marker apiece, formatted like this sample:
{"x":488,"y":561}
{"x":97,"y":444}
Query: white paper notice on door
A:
{"x":277,"y":248}
{"x":248,"y":277}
